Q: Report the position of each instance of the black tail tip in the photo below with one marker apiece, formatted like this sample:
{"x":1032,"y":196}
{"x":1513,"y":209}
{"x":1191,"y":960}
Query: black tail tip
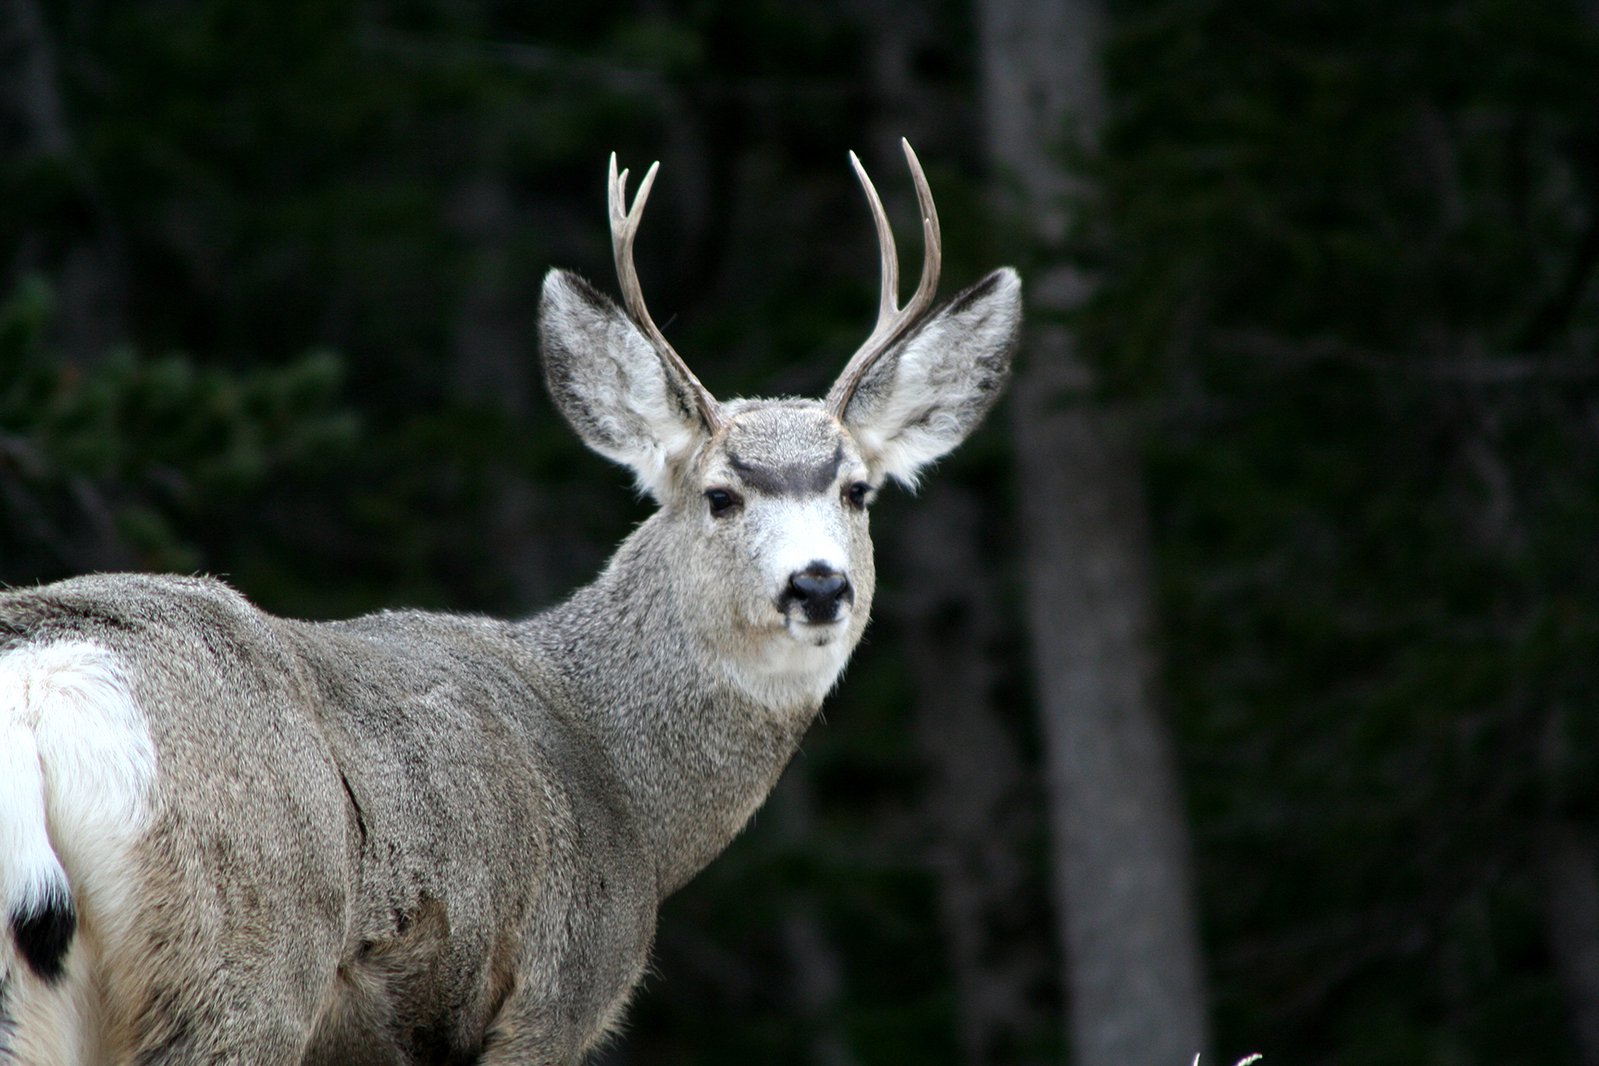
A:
{"x":43,"y":930}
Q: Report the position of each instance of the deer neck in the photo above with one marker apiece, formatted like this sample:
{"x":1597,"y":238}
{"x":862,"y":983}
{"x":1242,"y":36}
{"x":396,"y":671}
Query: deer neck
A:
{"x":699,"y":730}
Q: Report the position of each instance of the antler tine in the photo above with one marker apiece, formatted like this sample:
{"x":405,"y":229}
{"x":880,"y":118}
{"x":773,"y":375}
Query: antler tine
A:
{"x":932,"y":236}
{"x":889,"y":295}
{"x":624,"y":228}
{"x":893,"y":321}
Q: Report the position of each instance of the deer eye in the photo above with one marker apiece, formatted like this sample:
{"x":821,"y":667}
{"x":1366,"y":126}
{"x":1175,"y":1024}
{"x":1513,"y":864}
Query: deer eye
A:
{"x":723,"y":502}
{"x":859,"y":495}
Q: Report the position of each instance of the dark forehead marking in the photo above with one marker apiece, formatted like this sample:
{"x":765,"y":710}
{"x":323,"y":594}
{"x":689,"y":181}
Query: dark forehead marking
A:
{"x":789,"y":479}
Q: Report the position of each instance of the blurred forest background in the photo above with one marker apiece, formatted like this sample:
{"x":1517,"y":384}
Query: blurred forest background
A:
{"x":1231,"y":689}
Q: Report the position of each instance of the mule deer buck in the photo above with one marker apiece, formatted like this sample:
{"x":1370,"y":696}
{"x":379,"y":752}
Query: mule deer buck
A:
{"x":411,"y":837}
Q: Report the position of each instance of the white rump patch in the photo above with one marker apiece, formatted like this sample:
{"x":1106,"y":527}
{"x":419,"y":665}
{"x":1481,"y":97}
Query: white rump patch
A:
{"x":76,"y":767}
{"x":29,"y":870}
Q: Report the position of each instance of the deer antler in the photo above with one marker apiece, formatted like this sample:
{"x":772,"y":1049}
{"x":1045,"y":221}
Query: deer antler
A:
{"x":624,"y":227}
{"x":893,"y":322}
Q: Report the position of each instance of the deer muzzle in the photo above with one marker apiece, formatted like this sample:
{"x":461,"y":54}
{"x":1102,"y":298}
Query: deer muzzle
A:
{"x":819,"y":592}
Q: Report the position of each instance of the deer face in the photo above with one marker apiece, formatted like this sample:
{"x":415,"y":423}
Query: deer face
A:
{"x":780,"y":503}
{"x":767,"y":498}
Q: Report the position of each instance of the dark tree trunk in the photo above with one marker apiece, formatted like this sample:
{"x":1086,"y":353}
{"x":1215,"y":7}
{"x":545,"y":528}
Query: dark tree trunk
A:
{"x":1121,"y":858}
{"x":1122,"y":863}
{"x":980,"y":799}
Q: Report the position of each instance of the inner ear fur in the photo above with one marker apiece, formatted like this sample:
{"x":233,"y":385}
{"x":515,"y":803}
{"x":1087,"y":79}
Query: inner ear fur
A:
{"x":611,"y":385}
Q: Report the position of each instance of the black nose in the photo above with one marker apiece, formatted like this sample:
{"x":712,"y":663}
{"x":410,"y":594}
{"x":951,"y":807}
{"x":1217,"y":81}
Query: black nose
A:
{"x":818,"y":590}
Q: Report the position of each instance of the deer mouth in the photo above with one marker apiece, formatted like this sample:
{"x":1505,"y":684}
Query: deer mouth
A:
{"x":817,"y":632}
{"x":814,"y":623}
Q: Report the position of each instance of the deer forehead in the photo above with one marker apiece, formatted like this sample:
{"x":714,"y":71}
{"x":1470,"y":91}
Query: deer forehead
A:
{"x":785,"y":448}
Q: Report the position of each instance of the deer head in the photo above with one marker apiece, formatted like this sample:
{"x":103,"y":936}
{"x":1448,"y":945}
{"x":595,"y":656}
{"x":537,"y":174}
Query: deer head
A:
{"x":770,"y":497}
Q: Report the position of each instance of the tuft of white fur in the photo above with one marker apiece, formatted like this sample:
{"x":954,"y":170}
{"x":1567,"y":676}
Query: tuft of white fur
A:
{"x":55,"y":1024}
{"x":788,"y":672}
{"x":76,"y":766}
{"x":29,"y":868}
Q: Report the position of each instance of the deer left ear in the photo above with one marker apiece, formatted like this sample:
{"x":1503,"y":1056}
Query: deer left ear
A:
{"x":925,"y":395}
{"x":612,"y":385}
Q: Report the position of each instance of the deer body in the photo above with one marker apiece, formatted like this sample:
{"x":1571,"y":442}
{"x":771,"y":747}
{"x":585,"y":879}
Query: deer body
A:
{"x":412,"y":837}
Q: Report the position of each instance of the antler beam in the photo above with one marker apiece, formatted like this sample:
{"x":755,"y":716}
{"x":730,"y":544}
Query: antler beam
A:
{"x":624,"y":228}
{"x":893,"y":322}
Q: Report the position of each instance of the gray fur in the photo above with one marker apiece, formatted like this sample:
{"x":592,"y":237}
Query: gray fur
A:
{"x":416,"y":837}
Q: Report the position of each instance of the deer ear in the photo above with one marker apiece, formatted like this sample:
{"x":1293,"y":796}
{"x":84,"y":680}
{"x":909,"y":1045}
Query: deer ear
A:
{"x":612,"y":386}
{"x":922,"y":397}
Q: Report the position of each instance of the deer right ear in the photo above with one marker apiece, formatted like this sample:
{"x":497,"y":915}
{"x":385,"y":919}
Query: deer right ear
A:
{"x":612,"y":386}
{"x":921,"y":398}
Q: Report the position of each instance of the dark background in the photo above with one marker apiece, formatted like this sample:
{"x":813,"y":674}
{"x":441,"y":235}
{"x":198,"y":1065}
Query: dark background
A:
{"x":1300,"y":466}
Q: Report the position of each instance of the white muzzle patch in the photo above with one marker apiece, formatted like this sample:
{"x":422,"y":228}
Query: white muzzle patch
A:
{"x":807,"y":568}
